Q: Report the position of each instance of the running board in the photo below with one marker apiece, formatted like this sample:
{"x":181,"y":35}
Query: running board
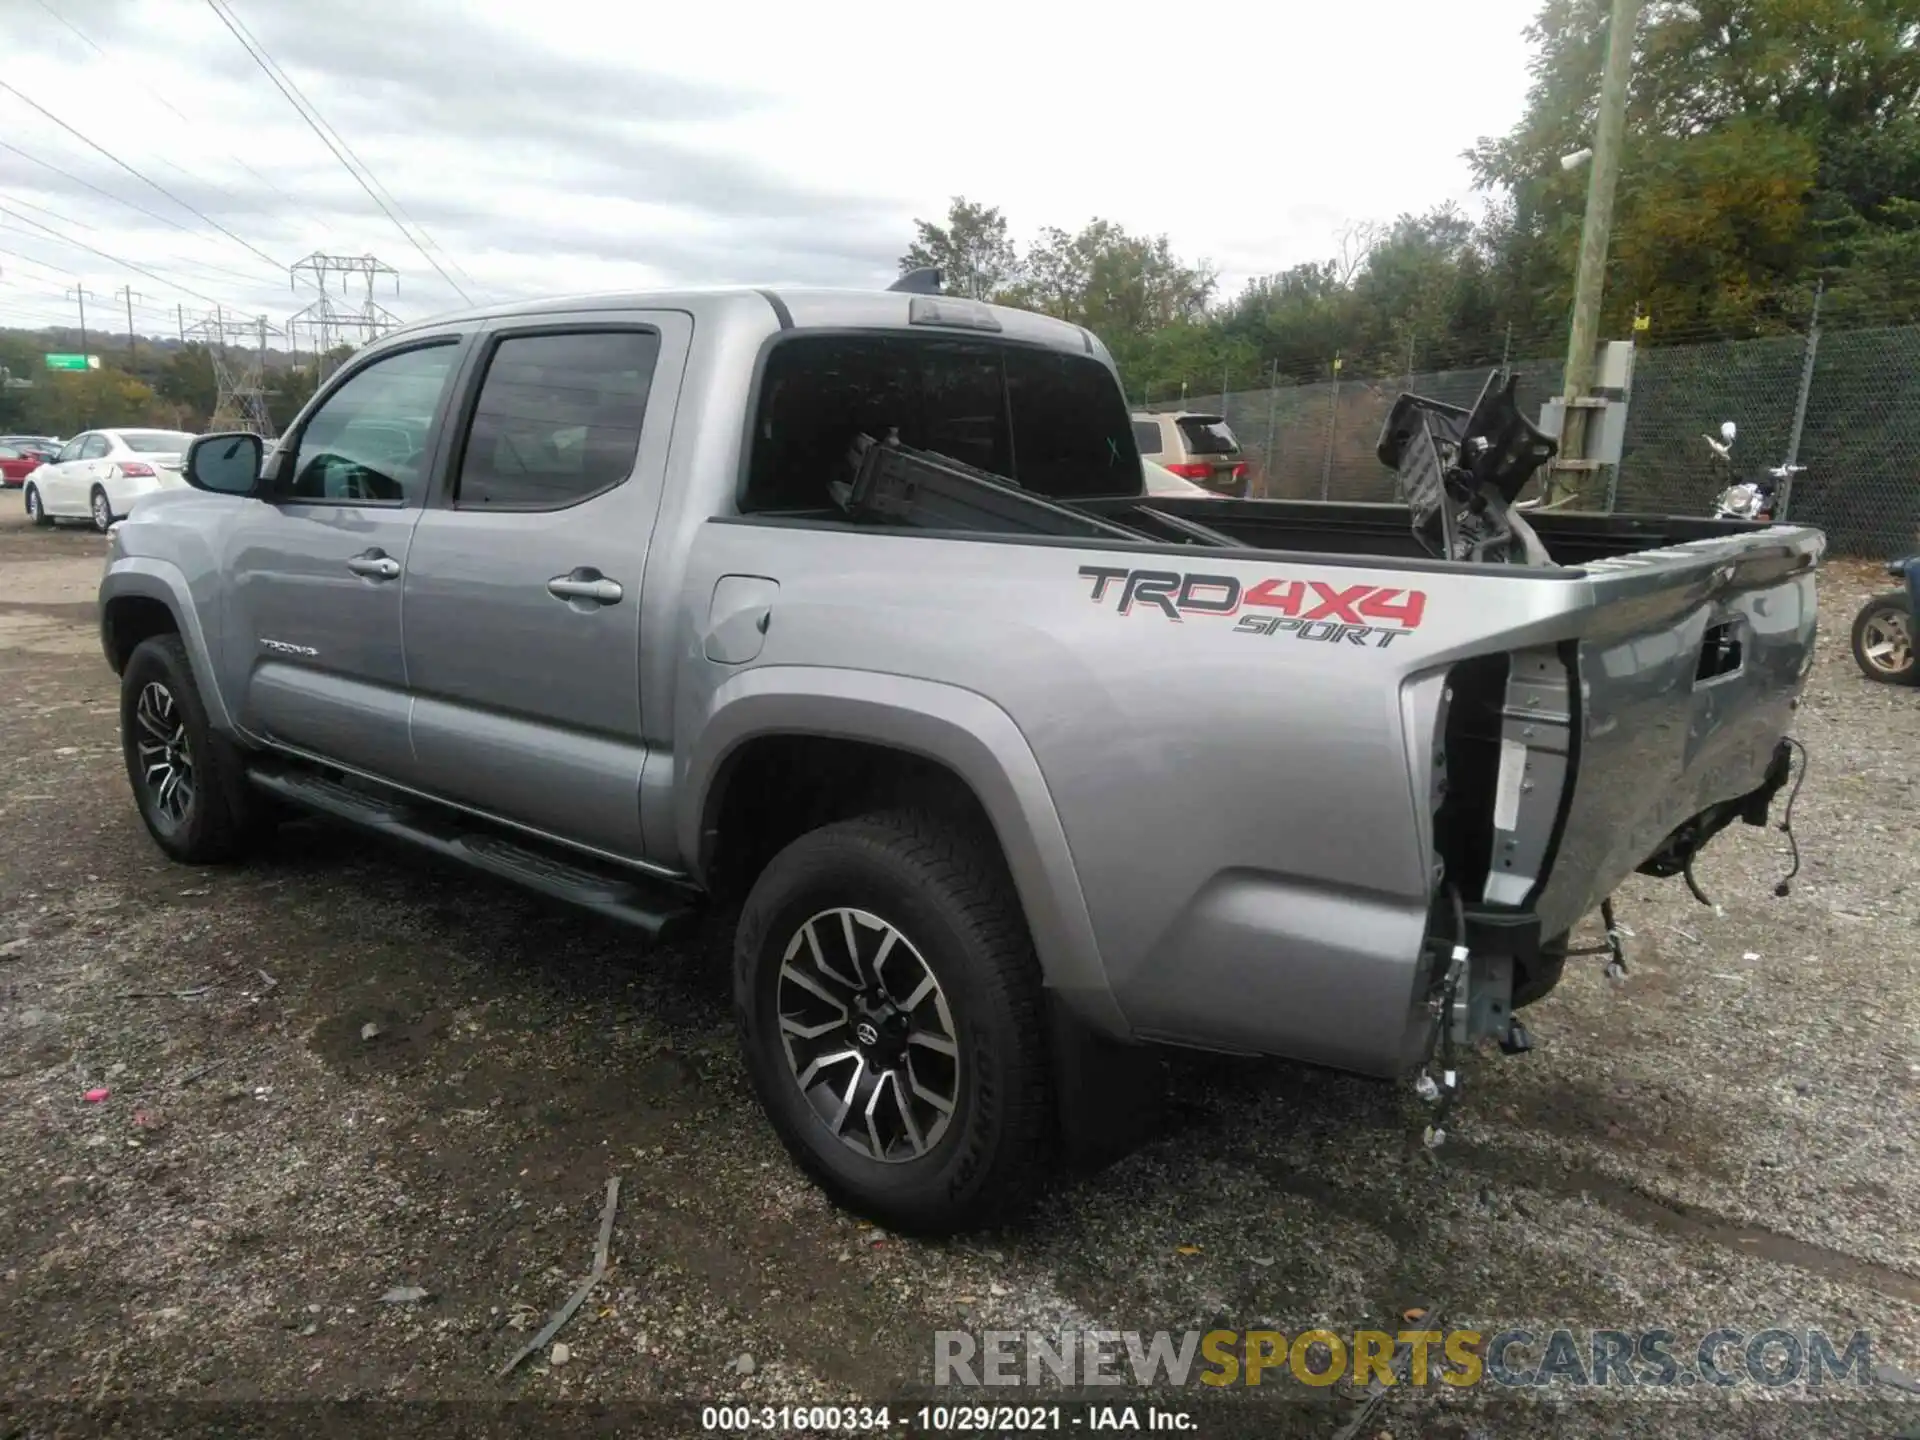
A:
{"x":656,"y":908}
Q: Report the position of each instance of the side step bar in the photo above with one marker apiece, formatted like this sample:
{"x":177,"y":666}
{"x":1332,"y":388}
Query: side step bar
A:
{"x":657,"y":908}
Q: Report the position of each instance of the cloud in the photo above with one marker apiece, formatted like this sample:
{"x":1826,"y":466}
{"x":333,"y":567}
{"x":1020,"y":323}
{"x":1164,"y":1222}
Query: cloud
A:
{"x":571,"y":145}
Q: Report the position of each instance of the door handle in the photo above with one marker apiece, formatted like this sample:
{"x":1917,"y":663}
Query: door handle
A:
{"x":375,"y":566}
{"x":588,"y":585}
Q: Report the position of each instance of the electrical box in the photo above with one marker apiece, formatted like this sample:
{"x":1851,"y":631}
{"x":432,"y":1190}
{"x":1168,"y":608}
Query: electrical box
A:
{"x":1612,"y":392}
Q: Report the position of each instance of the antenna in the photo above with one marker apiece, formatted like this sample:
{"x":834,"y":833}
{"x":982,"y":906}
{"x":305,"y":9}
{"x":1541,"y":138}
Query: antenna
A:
{"x":922,"y":281}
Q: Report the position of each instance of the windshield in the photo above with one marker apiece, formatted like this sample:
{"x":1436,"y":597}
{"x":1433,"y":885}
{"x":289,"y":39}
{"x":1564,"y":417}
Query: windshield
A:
{"x":155,"y":442}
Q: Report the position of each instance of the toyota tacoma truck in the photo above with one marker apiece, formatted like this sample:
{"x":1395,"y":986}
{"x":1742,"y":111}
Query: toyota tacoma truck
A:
{"x":846,"y":618}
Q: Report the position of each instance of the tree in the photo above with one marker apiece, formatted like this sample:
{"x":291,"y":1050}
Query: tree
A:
{"x":1110,"y":281}
{"x":972,"y":250}
{"x":187,"y":380}
{"x":1768,"y":142}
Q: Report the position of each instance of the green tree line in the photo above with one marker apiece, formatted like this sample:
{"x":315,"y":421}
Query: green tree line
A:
{"x":172,"y":389}
{"x":1772,"y":148}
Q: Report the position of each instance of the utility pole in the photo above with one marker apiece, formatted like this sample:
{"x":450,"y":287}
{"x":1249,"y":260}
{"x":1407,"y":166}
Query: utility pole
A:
{"x":79,"y":292}
{"x":133,"y":340}
{"x":180,"y":312}
{"x":1590,"y":281}
{"x":1800,"y":400}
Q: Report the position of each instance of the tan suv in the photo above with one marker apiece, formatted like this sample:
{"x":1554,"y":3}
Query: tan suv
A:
{"x":1194,"y":446}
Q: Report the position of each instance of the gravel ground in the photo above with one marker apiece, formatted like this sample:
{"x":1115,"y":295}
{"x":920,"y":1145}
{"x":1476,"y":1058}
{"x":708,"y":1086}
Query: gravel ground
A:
{"x":340,"y":1070}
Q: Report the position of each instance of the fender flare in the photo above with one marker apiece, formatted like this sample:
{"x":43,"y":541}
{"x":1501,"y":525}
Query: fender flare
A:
{"x":960,"y":729}
{"x":142,"y":577}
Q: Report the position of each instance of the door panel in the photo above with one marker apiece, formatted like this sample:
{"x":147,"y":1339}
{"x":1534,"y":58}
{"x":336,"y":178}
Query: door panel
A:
{"x":317,"y":643}
{"x":56,"y":481}
{"x":523,"y":593}
{"x":318,"y":564}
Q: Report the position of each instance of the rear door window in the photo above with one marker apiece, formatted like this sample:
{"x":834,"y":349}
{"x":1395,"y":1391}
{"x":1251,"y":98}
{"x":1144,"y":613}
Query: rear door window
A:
{"x":1207,"y":435}
{"x":558,"y":419}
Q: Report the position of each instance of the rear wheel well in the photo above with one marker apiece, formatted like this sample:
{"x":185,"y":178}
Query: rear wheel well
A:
{"x":131,"y":619}
{"x":778,"y":787}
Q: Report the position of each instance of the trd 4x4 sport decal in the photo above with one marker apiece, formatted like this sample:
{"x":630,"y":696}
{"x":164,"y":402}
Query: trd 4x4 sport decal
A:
{"x":1365,"y":615}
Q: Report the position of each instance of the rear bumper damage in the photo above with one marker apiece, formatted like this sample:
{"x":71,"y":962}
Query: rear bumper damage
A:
{"x":1476,"y":970}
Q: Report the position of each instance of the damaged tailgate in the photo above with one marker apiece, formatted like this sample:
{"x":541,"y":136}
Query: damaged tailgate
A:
{"x":1688,"y":667}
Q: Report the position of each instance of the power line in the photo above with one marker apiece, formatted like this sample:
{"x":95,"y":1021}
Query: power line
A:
{"x":114,"y":259}
{"x":200,"y":266}
{"x":316,"y":122}
{"x":30,"y":260}
{"x":354,"y":156}
{"x":108,"y":194}
{"x":145,"y":180}
{"x":152,"y":94}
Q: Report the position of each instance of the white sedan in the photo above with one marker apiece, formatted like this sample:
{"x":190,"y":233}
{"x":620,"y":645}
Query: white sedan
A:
{"x":98,"y":474}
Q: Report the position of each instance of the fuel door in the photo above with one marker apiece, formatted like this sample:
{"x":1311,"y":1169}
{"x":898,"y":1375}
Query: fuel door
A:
{"x":739,"y":617}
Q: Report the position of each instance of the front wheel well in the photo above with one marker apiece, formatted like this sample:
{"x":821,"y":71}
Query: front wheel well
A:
{"x":131,"y":619}
{"x":776,"y":788}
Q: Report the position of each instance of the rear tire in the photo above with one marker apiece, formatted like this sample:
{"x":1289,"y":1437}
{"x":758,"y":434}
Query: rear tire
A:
{"x":36,"y":508}
{"x":1883,"y":640}
{"x":101,"y":508}
{"x":939,"y":1133}
{"x":189,"y":783}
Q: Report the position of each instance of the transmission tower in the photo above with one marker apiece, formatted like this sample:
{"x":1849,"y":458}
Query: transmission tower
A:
{"x":239,"y":370}
{"x":333,"y":321}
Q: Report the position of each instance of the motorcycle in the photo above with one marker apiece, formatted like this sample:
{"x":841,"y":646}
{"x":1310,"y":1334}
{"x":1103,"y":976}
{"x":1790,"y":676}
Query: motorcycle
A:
{"x":1883,"y":630}
{"x":1755,"y":499}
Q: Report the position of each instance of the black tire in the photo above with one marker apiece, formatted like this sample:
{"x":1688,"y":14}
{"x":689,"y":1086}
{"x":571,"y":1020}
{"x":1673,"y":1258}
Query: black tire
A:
{"x":36,"y":508}
{"x":1877,"y":647}
{"x":221,"y":819}
{"x":951,"y":901}
{"x":100,"y":508}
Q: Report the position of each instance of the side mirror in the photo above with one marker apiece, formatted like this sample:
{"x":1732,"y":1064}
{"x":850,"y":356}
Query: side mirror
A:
{"x":1727,"y":431}
{"x":227,"y":464}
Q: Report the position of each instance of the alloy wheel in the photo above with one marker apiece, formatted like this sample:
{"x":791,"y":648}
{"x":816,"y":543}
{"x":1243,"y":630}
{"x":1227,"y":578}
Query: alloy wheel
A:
{"x":33,"y":504}
{"x":102,"y":510}
{"x":1887,"y":641}
{"x":868,"y":1034}
{"x":166,"y":760}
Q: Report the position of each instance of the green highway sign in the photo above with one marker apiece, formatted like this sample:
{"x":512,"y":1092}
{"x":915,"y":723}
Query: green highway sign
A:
{"x":72,"y":362}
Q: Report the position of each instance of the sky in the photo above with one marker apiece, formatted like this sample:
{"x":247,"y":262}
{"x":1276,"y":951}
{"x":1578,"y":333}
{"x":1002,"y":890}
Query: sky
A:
{"x":528,"y":147}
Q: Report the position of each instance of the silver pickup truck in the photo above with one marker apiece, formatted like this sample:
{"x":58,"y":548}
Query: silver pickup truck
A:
{"x":848,"y":614}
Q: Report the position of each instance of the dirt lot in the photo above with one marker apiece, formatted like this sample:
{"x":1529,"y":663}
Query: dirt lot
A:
{"x":1729,"y":1138}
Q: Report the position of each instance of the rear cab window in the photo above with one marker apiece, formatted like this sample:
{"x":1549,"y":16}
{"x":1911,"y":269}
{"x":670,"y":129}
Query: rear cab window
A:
{"x":1052,"y":422}
{"x":1207,"y":435}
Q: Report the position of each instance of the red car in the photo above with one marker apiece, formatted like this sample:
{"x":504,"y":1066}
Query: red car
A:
{"x":16,"y":463}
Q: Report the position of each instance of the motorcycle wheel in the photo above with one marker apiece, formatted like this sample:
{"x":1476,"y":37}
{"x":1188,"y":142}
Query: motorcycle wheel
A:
{"x":1883,"y":640}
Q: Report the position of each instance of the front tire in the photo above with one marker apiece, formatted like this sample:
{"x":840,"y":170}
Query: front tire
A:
{"x":36,"y":508}
{"x":890,"y":1013}
{"x":1883,"y":640}
{"x":102,"y":510}
{"x":189,"y":783}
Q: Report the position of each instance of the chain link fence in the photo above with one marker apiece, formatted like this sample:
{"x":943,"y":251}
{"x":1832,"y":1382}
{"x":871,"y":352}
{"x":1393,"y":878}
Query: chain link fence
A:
{"x":1843,"y":403}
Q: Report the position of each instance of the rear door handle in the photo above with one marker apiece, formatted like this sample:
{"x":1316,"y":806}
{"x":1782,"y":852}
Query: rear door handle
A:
{"x":586,"y":584}
{"x":375,"y":566}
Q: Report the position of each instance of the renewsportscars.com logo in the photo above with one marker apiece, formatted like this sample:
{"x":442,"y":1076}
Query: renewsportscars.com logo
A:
{"x":1370,"y":616}
{"x":1774,"y":1359}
